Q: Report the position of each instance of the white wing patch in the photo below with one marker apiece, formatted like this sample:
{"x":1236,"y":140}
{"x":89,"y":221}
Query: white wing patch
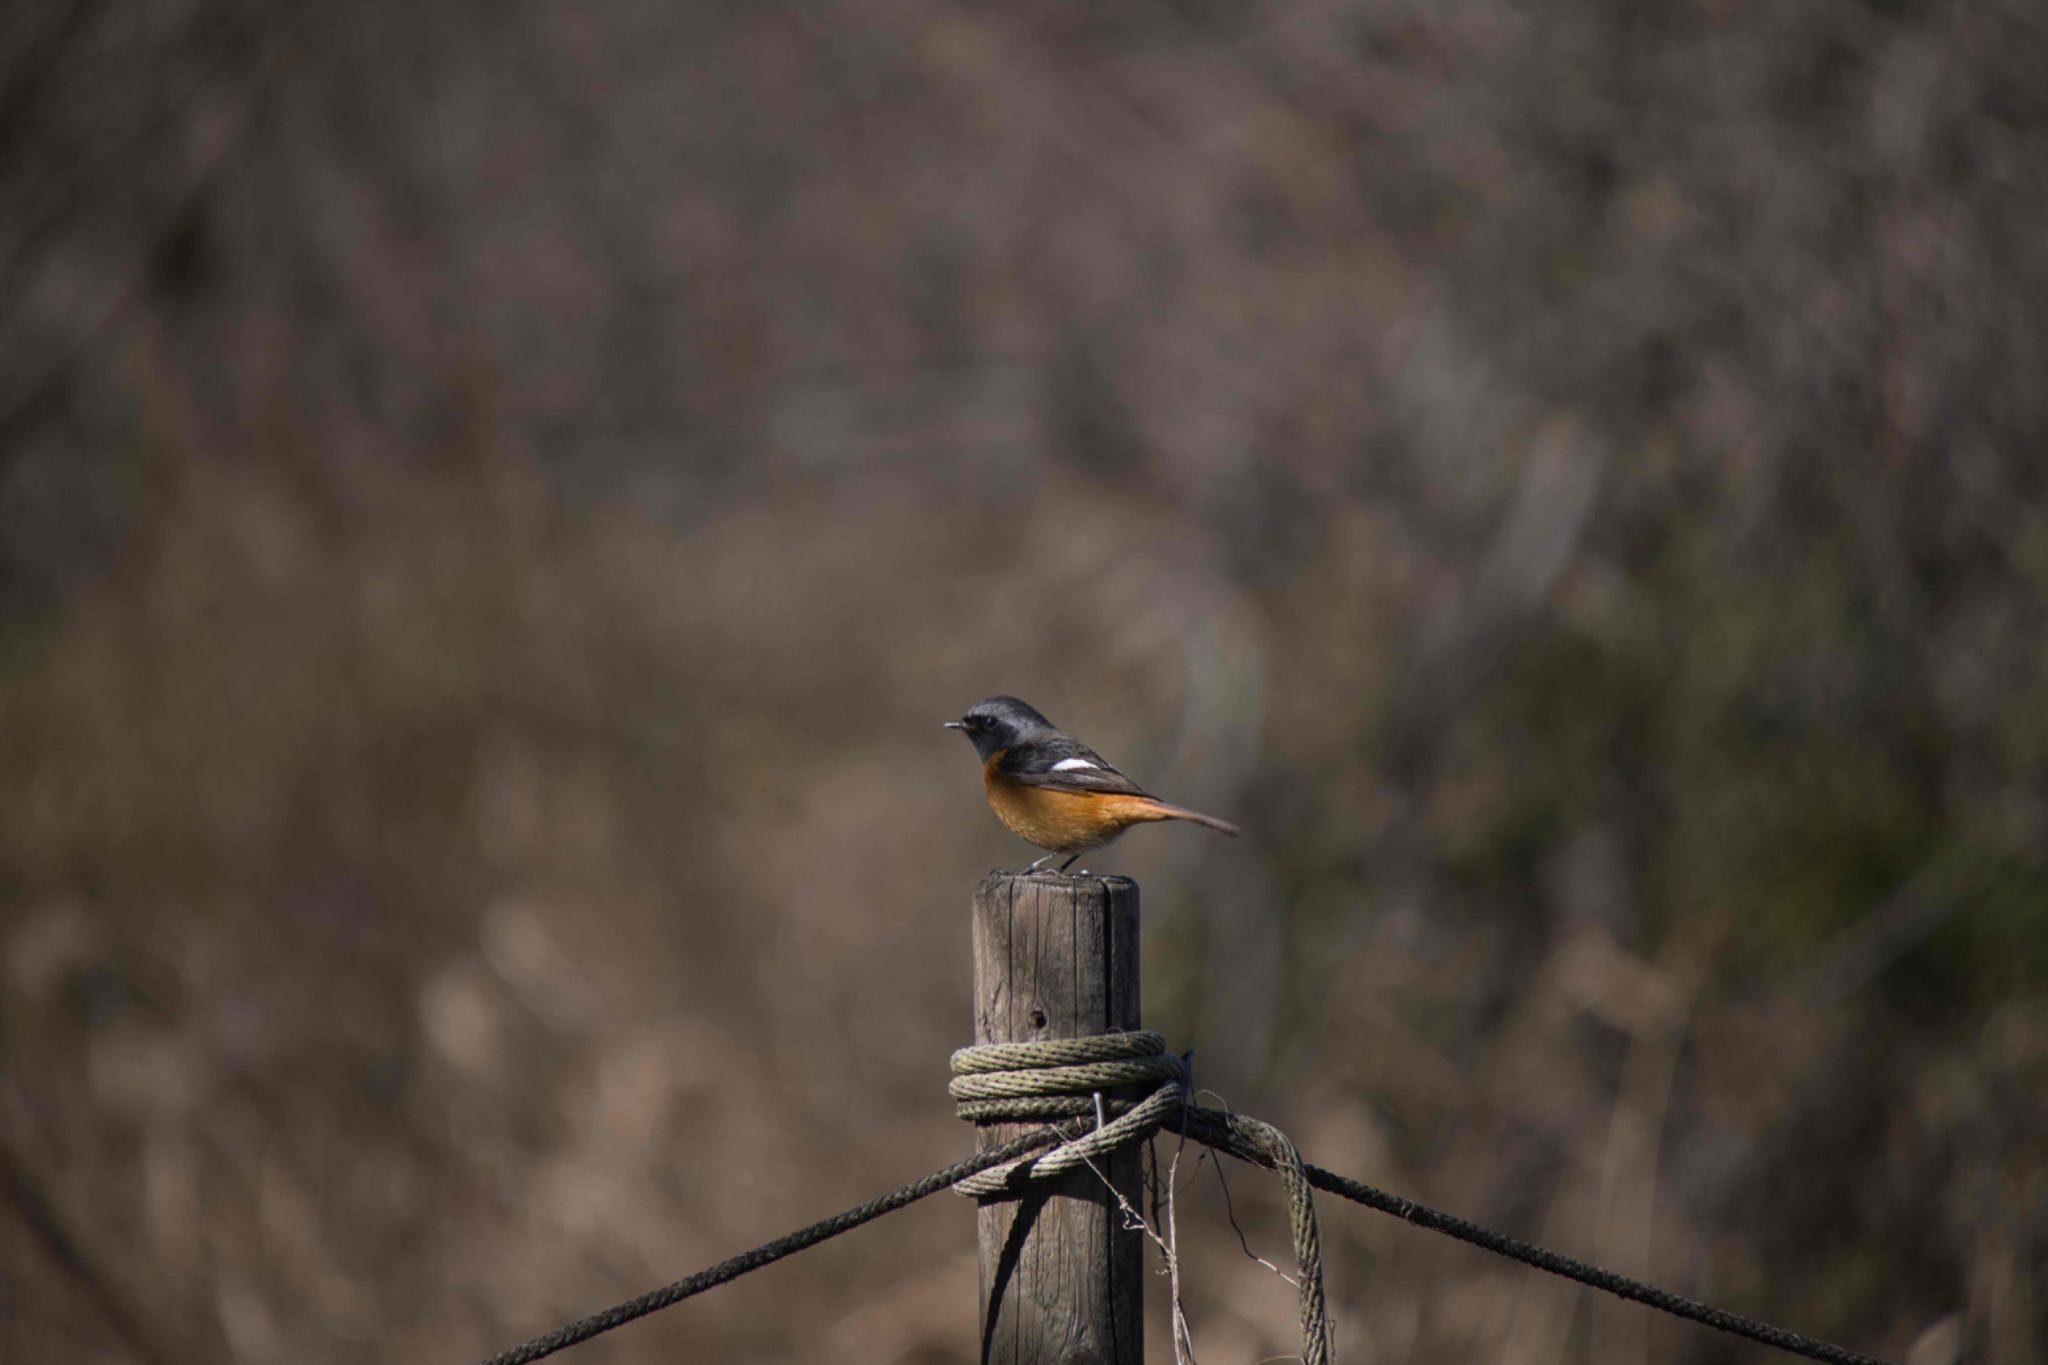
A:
{"x":1066,"y":764}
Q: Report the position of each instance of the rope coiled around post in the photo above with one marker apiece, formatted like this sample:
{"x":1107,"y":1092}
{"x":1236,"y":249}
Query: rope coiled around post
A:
{"x":1020,"y":1082}
{"x":1060,"y":1079}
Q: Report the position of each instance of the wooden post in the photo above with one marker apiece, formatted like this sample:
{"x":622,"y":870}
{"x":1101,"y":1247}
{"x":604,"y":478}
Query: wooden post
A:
{"x":1062,"y":1279}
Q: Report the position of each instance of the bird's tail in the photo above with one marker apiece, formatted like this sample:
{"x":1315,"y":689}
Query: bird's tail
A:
{"x":1166,"y":812}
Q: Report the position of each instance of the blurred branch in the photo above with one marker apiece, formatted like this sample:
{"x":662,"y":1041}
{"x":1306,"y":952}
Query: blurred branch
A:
{"x":38,"y":1213}
{"x":1919,"y":906}
{"x":32,"y":396}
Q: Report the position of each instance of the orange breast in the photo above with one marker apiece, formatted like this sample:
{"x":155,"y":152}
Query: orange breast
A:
{"x":1065,"y":821}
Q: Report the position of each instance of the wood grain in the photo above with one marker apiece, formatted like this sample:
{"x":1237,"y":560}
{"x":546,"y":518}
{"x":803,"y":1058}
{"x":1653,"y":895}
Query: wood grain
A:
{"x":1062,"y":1280}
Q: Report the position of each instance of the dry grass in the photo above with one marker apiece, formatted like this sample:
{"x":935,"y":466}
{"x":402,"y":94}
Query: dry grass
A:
{"x":496,"y":500}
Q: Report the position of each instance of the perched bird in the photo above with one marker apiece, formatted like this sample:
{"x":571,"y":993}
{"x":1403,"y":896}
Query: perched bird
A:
{"x":1052,"y":789}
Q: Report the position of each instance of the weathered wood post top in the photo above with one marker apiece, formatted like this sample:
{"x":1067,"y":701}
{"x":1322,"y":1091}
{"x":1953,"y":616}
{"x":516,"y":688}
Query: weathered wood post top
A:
{"x":1062,"y":1278}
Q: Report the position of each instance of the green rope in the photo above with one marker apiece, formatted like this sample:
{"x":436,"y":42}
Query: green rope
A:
{"x":1061,"y":1062}
{"x":1022,"y":1082}
{"x":1008,"y":1168}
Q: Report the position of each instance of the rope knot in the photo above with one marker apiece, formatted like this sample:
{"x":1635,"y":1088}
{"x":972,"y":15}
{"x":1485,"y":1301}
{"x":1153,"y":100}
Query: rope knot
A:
{"x":1060,"y":1079}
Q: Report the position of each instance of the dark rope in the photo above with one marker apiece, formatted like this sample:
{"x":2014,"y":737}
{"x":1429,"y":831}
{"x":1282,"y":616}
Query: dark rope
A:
{"x":654,"y":1301}
{"x":988,"y":1089}
{"x":1263,"y":1145}
{"x":1008,"y":1082}
{"x":1661,"y":1299}
{"x":1219,"y":1130}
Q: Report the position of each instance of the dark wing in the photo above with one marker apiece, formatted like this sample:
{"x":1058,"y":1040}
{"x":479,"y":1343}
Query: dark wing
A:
{"x":1062,"y":763}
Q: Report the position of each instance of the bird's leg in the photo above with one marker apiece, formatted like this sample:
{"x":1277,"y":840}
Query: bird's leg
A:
{"x":1069,"y":862}
{"x":1041,"y":862}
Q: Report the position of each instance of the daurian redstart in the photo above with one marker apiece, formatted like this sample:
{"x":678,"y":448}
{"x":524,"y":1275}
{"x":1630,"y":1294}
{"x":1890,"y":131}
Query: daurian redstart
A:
{"x":1052,"y":789}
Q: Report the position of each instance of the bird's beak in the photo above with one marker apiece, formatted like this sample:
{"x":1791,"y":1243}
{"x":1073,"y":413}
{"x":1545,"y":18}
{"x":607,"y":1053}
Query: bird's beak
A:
{"x":954,"y":725}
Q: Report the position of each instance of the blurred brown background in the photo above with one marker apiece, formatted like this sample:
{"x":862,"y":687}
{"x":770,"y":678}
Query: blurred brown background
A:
{"x":498,"y":498}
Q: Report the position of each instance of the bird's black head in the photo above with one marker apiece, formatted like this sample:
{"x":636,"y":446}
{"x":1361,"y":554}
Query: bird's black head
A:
{"x":999,"y":723}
